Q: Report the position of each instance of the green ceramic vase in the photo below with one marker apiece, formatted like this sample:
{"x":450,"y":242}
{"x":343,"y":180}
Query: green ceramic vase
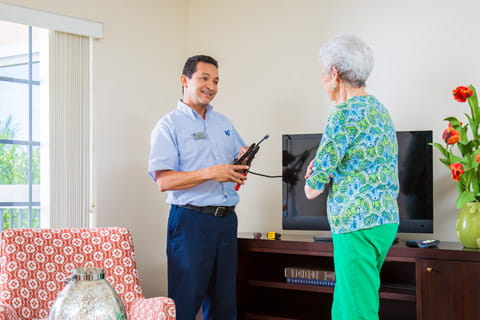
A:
{"x":468,"y":225}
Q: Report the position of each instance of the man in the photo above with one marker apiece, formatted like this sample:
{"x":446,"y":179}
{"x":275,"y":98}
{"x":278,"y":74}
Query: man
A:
{"x":192,"y":151}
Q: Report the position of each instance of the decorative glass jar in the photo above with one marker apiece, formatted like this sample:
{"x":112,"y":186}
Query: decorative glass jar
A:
{"x":88,"y":295}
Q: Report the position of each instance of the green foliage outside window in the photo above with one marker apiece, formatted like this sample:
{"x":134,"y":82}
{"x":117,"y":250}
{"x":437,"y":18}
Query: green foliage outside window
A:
{"x":20,"y":218}
{"x":14,"y":170}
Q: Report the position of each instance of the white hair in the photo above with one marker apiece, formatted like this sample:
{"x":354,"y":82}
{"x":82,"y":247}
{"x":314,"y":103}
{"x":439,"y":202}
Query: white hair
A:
{"x":351,"y":56}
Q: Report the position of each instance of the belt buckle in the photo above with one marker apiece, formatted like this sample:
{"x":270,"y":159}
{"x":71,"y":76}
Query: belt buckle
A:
{"x":220,"y":211}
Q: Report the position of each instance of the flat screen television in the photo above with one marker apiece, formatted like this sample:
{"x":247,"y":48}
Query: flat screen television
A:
{"x":415,"y":199}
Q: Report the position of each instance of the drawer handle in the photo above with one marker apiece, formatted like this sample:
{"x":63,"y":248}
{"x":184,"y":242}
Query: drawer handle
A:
{"x":429,"y":269}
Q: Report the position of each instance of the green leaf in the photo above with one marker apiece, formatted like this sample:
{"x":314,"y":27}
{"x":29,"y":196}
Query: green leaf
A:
{"x":464,"y":130}
{"x":473,"y":162}
{"x":445,"y":161}
{"x":440,"y":148}
{"x":465,"y":197}
{"x":473,"y":103}
{"x":470,"y":119}
{"x":454,"y":121}
{"x":460,"y":187}
{"x":468,"y":164}
{"x":475,"y":186}
{"x":465,"y":147}
{"x":467,"y":175}
{"x":455,"y":159}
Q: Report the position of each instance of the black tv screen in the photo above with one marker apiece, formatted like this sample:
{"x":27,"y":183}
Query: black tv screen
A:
{"x":415,"y":199}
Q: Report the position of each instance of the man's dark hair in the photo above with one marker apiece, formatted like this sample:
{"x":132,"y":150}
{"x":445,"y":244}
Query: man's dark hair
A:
{"x":191,"y":64}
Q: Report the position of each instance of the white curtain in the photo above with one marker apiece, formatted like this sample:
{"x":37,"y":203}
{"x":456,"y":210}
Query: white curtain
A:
{"x":69,"y":130}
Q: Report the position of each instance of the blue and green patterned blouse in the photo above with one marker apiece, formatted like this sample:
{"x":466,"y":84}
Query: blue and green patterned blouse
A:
{"x":359,"y":150}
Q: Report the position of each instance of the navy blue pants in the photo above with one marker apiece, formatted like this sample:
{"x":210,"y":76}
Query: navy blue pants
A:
{"x":202,"y":264}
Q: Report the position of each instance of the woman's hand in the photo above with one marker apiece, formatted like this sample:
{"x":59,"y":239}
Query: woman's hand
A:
{"x":312,"y":193}
{"x":308,"y":173}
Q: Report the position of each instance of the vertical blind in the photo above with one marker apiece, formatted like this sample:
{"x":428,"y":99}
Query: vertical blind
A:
{"x":69,"y":129}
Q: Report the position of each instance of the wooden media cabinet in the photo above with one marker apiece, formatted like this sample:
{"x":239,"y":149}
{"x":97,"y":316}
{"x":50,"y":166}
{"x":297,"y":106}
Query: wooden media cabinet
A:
{"x":416,"y":283}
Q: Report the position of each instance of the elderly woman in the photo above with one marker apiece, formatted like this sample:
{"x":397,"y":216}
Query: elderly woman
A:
{"x":358,"y":156}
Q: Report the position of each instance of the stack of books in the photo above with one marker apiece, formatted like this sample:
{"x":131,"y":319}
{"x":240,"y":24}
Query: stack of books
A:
{"x":310,"y":275}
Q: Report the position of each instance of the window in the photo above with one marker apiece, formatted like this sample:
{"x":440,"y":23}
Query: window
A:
{"x":19,"y":126}
{"x":51,"y":147}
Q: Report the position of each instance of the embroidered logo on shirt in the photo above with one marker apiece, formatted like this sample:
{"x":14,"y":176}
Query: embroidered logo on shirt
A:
{"x":227,"y":132}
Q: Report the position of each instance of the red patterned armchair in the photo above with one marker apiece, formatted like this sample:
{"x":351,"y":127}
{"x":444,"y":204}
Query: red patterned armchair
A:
{"x":33,"y":263}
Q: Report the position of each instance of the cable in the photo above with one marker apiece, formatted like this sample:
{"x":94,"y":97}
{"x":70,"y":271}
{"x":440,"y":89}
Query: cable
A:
{"x":263,"y":175}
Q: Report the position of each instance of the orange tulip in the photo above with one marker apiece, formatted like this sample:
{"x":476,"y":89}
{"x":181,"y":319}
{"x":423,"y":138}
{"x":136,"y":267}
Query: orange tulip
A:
{"x":450,"y":135}
{"x":461,"y":94}
{"x":457,"y":171}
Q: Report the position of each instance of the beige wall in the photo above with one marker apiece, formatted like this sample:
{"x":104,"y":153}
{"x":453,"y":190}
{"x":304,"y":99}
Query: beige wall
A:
{"x":269,"y":84}
{"x":270,"y":77}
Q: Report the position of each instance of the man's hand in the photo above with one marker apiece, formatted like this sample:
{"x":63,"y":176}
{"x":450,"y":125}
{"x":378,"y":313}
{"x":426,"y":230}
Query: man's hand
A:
{"x":228,"y":173}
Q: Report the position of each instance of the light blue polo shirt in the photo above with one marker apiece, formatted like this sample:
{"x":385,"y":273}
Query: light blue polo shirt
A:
{"x":183,"y":141}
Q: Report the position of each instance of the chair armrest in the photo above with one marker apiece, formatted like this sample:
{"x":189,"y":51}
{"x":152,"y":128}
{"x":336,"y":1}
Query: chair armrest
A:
{"x":7,"y":312}
{"x":159,"y":308}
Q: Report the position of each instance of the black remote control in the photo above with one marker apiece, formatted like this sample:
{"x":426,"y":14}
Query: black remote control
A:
{"x":422,"y":243}
{"x":321,"y":238}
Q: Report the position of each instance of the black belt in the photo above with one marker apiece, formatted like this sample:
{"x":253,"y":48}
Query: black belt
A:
{"x":214,"y":211}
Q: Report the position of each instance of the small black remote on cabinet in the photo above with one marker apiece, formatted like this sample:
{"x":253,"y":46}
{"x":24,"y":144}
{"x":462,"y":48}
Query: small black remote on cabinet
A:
{"x":422,"y":243}
{"x":322,"y":238}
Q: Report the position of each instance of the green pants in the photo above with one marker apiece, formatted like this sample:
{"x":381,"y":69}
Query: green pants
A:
{"x":358,"y":258}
